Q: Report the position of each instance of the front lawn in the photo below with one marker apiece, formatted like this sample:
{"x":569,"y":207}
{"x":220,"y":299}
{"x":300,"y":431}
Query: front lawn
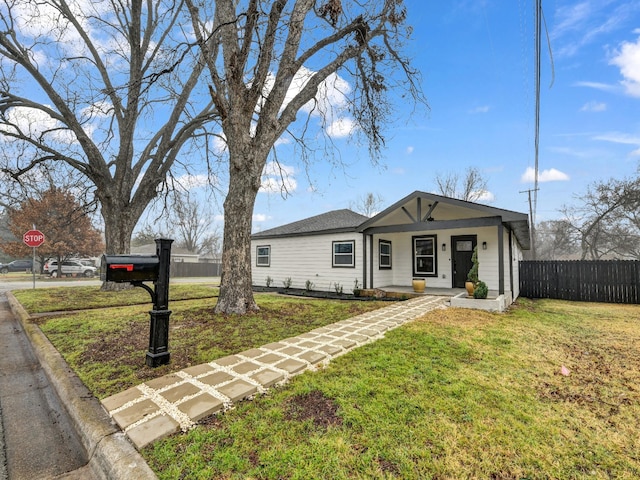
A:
{"x":456,"y":394}
{"x":106,"y":346}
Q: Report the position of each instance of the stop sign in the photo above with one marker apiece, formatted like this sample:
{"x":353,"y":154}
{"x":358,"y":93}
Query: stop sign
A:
{"x":33,"y":238}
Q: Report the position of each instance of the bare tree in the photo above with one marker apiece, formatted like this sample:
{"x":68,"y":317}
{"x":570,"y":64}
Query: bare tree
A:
{"x":270,"y":62}
{"x":368,"y":204}
{"x":556,"y":239}
{"x":191,"y":221}
{"x":471,"y":188}
{"x":110,"y":89}
{"x":606,"y":218}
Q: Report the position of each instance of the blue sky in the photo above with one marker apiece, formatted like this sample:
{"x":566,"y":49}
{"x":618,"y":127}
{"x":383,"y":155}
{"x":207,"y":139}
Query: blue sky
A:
{"x":476,"y":58}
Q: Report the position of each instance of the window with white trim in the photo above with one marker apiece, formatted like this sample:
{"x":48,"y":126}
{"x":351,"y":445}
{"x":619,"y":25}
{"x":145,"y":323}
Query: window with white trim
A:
{"x":263,"y":255}
{"x":384,"y":253}
{"x":424,"y":256}
{"x":344,"y":254}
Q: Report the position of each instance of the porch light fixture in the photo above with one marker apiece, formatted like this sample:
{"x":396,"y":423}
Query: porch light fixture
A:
{"x":484,"y":245}
{"x":444,"y":247}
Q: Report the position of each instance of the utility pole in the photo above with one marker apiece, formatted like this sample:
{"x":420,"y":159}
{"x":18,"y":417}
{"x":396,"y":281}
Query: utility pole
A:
{"x":532,"y":225}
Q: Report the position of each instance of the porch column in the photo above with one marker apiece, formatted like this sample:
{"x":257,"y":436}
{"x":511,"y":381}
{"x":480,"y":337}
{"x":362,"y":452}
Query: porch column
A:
{"x":364,"y":260}
{"x":500,"y":259}
{"x":511,"y":262}
{"x":371,"y":260}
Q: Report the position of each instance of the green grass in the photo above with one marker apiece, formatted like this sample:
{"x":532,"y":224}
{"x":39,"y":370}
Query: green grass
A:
{"x":60,"y":299}
{"x":106,"y":346}
{"x":457,"y":394}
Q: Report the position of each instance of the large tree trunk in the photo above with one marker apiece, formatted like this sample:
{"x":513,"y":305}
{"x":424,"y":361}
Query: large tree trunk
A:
{"x":119,"y":221}
{"x":236,"y":293}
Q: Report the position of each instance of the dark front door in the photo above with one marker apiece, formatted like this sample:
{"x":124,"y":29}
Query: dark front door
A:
{"x":462,"y":251}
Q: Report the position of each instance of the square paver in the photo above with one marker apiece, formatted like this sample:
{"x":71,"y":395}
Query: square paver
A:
{"x":162,"y":382}
{"x":201,"y":406}
{"x":344,"y":343}
{"x":245,"y":367}
{"x":357,"y":338}
{"x":270,"y":358}
{"x":291,"y":351}
{"x":153,"y":430}
{"x":312,"y":357}
{"x":273,"y":346}
{"x":267,"y":377}
{"x":291,"y":366}
{"x":119,"y":399}
{"x":228,"y":361}
{"x":253,"y":353}
{"x":238,"y":390}
{"x":135,"y":412}
{"x":183,"y":390}
{"x":199,"y":370}
{"x":370,"y":332}
{"x":216,"y":378}
{"x":309,"y":344}
{"x":330,"y":350}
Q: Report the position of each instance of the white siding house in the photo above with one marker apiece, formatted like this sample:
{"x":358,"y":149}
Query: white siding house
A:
{"x":421,"y":236}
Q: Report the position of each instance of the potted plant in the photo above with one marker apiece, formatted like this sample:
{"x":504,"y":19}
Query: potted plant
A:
{"x":472,"y":276}
{"x":481,"y":290}
{"x":419,"y":284}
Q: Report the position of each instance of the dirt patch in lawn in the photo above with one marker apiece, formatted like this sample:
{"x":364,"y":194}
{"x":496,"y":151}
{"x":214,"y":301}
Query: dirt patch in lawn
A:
{"x":314,"y":406}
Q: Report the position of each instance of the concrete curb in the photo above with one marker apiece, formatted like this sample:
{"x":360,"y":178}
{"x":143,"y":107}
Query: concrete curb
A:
{"x":111,"y":455}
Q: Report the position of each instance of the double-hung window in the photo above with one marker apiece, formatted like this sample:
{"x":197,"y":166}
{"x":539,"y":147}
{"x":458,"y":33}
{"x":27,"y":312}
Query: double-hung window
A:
{"x":344,"y":254}
{"x":263,"y":256}
{"x":424,"y":256}
{"x":384,"y":250}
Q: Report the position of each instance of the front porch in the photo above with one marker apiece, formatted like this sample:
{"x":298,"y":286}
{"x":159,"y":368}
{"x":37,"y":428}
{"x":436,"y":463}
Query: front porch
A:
{"x":494,"y":302}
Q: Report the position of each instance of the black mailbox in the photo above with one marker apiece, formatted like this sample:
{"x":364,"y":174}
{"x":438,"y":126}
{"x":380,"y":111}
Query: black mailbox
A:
{"x":129,"y":268}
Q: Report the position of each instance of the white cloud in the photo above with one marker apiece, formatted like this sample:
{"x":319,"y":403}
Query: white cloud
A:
{"x":410,"y":150}
{"x":278,"y":178}
{"x":481,"y":109}
{"x":627,"y":58}
{"x":330,"y":103}
{"x":621,"y":138}
{"x":260,"y":217}
{"x":342,"y":127}
{"x":484,"y":196}
{"x":594,"y":107}
{"x":189,"y":181}
{"x":597,"y":86}
{"x":550,"y":175}
{"x":36,"y":123}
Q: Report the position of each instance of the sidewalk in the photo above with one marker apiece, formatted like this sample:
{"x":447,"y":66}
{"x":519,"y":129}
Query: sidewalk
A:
{"x":174,"y":402}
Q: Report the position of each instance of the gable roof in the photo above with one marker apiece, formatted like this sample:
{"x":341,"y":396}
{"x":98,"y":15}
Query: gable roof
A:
{"x":336,"y":221}
{"x":437,"y":211}
{"x":417,"y":211}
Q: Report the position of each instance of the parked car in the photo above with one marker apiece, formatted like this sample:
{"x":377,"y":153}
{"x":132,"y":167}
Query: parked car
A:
{"x":69,"y":268}
{"x":16,"y":266}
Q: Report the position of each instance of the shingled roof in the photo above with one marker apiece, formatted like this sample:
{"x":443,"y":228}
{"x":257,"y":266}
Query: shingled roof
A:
{"x":336,"y":221}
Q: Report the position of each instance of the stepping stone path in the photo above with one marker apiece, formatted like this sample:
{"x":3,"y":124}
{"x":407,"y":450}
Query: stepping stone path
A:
{"x":177,"y":401}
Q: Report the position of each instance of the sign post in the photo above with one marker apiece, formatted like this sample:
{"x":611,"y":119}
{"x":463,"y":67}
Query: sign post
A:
{"x":33,"y":238}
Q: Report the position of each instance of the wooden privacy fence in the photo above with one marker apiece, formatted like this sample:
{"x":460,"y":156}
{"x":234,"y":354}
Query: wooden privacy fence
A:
{"x":610,"y":281}
{"x":186,"y":269}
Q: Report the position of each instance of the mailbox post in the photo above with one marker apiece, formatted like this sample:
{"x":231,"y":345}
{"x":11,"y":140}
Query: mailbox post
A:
{"x":137,"y":269}
{"x":158,"y":353}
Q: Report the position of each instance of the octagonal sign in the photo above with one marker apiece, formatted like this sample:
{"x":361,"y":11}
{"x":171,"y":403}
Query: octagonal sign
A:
{"x":33,"y":238}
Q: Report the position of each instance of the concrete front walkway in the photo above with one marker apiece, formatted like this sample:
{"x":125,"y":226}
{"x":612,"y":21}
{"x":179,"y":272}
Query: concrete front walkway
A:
{"x":174,"y":402}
